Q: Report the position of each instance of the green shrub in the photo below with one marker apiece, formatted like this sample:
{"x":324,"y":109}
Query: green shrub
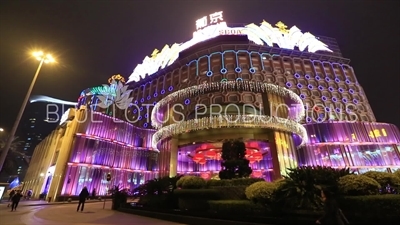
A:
{"x":191,"y":182}
{"x":301,"y":188}
{"x":157,"y":201}
{"x":384,"y":178}
{"x":180,"y":181}
{"x":261,"y":191}
{"x":370,"y":208}
{"x":231,"y":192}
{"x":397,"y":173}
{"x":234,"y":207}
{"x":358,"y":185}
{"x":210,"y":194}
{"x":233,"y":182}
{"x":195,"y":199}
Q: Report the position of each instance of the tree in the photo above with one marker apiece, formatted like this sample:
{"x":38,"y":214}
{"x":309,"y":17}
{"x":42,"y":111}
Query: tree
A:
{"x":11,"y":160}
{"x":234,"y":164}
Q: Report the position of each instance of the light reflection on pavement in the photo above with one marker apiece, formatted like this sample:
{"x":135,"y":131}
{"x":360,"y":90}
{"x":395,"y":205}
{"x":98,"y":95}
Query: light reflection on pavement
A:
{"x":93,"y":214}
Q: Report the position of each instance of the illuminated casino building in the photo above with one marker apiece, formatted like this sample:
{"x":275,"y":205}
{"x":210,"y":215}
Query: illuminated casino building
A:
{"x":291,"y":96}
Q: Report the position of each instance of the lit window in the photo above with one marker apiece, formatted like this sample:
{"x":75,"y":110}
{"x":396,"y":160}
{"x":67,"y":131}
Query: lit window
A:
{"x":32,"y":126}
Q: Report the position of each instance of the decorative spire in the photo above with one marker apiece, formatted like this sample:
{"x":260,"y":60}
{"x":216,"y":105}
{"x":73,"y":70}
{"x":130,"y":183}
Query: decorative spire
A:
{"x":117,"y":78}
{"x":282,"y":27}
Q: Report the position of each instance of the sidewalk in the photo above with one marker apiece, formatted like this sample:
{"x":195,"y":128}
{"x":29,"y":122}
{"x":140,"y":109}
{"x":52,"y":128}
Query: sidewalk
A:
{"x":42,"y":202}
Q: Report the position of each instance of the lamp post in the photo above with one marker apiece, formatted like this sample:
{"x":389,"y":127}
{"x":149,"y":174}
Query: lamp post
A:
{"x":43,"y":58}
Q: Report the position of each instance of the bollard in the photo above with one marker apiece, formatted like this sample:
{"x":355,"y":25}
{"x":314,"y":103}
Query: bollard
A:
{"x":104,"y":204}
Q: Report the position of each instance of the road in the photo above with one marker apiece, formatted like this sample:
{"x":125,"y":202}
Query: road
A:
{"x":66,"y":214}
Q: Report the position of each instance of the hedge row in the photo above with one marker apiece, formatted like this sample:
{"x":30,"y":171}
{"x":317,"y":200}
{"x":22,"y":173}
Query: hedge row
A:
{"x":360,"y":209}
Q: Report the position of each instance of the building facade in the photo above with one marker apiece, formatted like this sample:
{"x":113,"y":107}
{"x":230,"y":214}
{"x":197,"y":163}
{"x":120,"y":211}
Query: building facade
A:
{"x":291,"y":96}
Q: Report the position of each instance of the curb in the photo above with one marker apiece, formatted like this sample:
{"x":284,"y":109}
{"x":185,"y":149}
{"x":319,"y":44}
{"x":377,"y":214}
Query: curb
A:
{"x":191,"y":220}
{"x":58,"y":203}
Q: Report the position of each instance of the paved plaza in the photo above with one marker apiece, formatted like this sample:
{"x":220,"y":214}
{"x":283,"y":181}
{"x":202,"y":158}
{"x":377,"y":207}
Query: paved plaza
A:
{"x":29,"y":213}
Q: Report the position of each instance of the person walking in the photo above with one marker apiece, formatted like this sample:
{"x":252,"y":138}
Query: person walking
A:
{"x":11,"y":194}
{"x":94,"y":193}
{"x":82,"y":198}
{"x":15,"y":200}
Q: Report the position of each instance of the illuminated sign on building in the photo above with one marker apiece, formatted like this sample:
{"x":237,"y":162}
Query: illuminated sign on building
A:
{"x":214,"y":26}
{"x":214,"y":18}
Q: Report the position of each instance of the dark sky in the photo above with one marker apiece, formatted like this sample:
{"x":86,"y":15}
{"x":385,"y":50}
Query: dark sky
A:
{"x":94,"y":39}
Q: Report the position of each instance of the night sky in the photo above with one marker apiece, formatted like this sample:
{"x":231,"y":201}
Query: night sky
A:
{"x":94,"y":39}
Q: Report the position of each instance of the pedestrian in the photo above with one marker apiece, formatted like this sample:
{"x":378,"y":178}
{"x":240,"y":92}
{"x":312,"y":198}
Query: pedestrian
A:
{"x":15,"y":200}
{"x":94,"y":193}
{"x":332,"y":213}
{"x":11,"y":194}
{"x":29,"y":194}
{"x":82,"y":198}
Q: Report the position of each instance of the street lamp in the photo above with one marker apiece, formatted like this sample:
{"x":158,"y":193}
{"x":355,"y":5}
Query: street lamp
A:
{"x":42,"y":58}
{"x":1,"y":129}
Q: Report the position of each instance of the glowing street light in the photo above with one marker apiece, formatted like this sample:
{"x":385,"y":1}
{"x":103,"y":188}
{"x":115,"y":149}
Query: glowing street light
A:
{"x":1,"y":129}
{"x":43,"y":58}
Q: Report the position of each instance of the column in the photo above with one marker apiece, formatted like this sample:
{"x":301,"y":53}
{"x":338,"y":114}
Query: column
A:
{"x":173,"y":164}
{"x":275,"y":157}
{"x":63,"y":156}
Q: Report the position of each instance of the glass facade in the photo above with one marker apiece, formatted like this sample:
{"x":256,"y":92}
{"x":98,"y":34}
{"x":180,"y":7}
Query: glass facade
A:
{"x":361,"y":146}
{"x":105,"y":145}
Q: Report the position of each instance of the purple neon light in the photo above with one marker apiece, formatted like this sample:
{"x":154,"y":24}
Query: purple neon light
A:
{"x":297,"y":75}
{"x":288,"y":84}
{"x":317,"y":77}
{"x":162,"y":91}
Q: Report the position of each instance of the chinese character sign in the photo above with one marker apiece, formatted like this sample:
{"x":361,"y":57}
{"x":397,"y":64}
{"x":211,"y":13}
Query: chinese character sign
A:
{"x":214,"y":18}
{"x":201,"y":23}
